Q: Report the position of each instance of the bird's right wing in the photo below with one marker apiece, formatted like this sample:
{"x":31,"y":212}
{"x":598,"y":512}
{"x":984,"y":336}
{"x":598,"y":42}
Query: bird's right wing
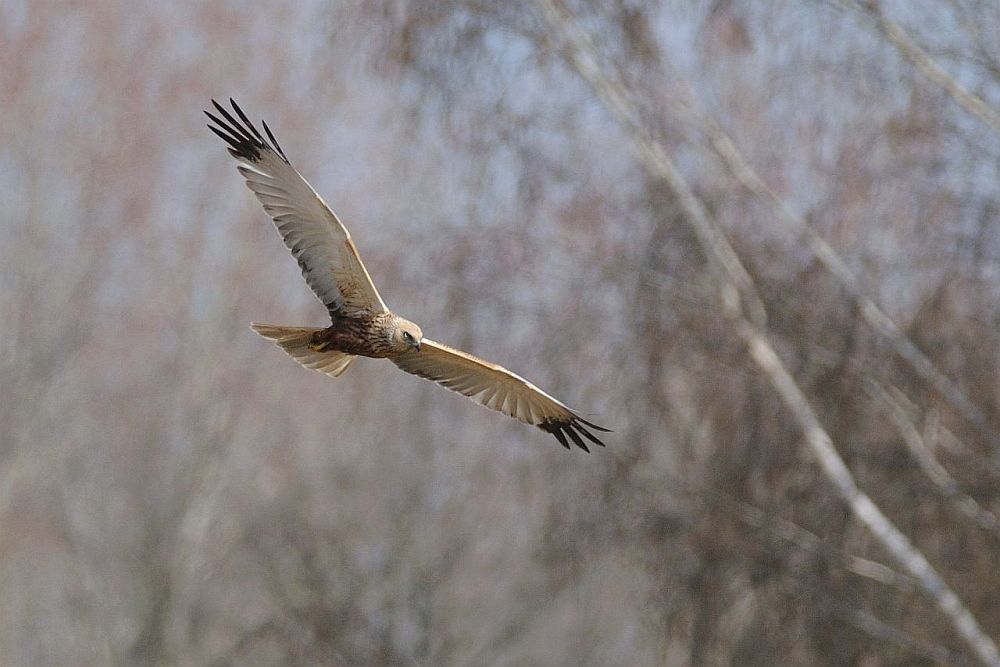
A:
{"x":497,"y":388}
{"x":318,"y":240}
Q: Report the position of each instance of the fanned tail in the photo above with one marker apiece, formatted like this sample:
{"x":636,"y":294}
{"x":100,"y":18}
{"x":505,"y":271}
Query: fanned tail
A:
{"x":296,"y":341}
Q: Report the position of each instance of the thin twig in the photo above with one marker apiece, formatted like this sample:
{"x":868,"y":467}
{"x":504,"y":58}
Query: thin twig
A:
{"x":873,"y":626}
{"x":786,"y":530}
{"x":936,"y":473}
{"x":808,"y":541}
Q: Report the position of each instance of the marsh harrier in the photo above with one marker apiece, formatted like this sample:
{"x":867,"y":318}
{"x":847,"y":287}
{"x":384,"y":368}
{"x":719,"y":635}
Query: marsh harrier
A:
{"x":361,"y":324}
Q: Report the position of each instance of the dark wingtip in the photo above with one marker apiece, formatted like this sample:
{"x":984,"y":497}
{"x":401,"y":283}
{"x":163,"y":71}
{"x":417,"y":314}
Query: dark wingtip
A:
{"x":560,"y":436}
{"x":246,"y":121}
{"x":590,"y":436}
{"x":241,"y":134}
{"x":577,"y":439}
{"x":574,"y":429}
{"x":593,"y":425}
{"x":274,"y":141}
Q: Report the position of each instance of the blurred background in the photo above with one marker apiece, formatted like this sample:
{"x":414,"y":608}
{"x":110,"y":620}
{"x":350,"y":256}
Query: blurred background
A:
{"x":176,"y":491}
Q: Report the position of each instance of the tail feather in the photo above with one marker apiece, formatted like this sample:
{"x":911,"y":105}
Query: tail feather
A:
{"x":296,"y":342}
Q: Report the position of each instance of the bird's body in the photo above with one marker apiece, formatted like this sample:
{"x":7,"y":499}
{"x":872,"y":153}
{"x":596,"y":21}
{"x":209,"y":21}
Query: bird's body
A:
{"x":361,"y":324}
{"x":361,"y":335}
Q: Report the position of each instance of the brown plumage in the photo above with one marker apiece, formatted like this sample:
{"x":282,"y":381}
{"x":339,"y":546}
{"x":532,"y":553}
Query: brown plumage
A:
{"x":361,"y":324}
{"x":362,"y":335}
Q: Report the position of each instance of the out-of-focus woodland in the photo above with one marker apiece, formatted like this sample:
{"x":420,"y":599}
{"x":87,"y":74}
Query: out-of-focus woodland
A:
{"x":176,"y":491}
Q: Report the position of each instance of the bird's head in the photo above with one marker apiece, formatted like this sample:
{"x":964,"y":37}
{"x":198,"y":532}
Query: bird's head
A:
{"x":406,"y":336}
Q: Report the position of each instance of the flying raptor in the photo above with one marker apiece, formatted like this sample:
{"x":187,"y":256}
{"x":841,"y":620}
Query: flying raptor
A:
{"x":361,"y":324}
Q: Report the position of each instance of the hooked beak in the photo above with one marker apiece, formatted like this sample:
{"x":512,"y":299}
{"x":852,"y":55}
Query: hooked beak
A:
{"x":417,"y":345}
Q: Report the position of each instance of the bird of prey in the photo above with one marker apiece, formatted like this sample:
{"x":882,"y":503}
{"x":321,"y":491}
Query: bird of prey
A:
{"x":360,"y":322}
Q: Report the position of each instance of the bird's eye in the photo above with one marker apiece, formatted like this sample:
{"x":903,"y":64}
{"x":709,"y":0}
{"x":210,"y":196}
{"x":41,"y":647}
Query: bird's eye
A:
{"x":407,"y":336}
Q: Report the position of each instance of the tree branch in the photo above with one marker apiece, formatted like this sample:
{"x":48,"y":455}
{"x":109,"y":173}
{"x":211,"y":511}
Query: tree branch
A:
{"x":926,"y":65}
{"x":737,"y":289}
{"x":870,"y":311}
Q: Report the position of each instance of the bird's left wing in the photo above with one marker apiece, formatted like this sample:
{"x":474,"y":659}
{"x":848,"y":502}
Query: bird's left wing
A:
{"x":498,"y":389}
{"x":319,"y":241}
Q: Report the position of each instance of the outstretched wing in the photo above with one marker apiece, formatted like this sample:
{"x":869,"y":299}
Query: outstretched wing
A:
{"x":318,"y":240}
{"x":498,"y":389}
